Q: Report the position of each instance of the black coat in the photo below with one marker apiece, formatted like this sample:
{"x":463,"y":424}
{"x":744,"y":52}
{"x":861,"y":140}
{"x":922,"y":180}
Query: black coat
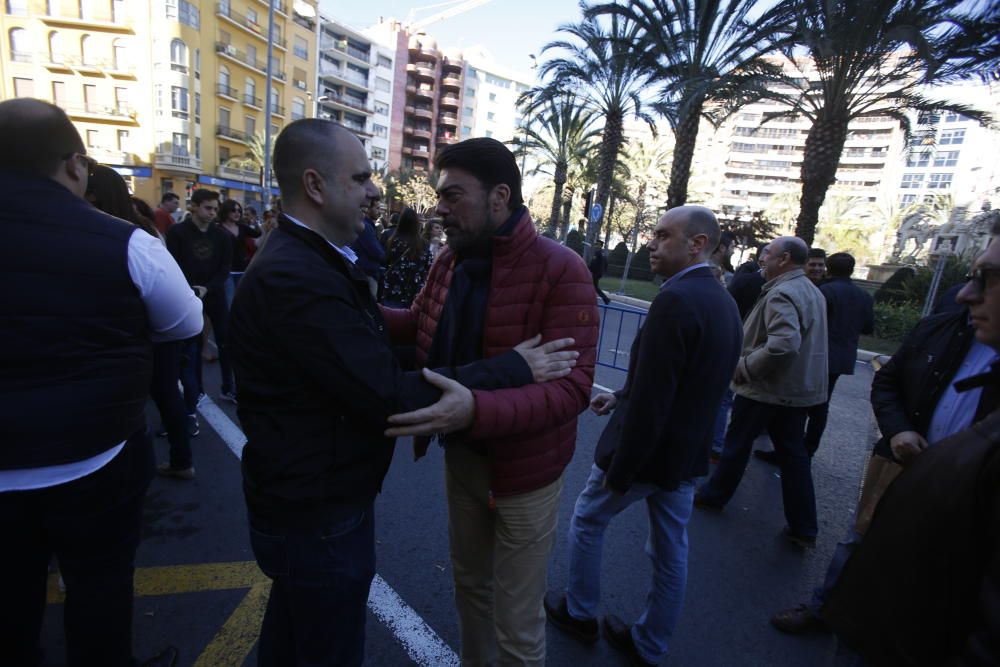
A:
{"x":681,"y":364}
{"x":599,"y":263}
{"x":849,"y":313}
{"x":923,"y":588}
{"x":317,"y":382}
{"x":745,"y":290}
{"x":907,"y":389}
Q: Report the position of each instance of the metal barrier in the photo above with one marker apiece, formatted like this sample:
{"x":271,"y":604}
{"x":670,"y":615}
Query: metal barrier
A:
{"x":622,"y":324}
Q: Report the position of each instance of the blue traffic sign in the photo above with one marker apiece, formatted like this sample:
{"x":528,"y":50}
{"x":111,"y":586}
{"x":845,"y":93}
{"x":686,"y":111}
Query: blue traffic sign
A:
{"x":596,"y":211}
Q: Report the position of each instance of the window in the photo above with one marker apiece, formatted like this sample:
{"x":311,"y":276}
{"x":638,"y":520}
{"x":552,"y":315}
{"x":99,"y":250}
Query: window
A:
{"x":468,"y":112}
{"x":252,"y":56}
{"x":940,"y":181}
{"x":906,"y":200}
{"x":381,"y":109}
{"x":498,"y":81}
{"x":197,"y":147}
{"x":123,"y":141}
{"x":223,"y":154}
{"x":382,"y":85}
{"x":224,"y":80}
{"x":470,"y":92}
{"x":119,"y":55}
{"x":275,"y":99}
{"x":197,"y":63}
{"x":946,"y":159}
{"x":301,"y":48}
{"x":466,"y":130}
{"x":223,"y":117}
{"x":118,"y":11}
{"x":912,"y":181}
{"x":121,"y":100}
{"x":384,"y":61}
{"x":252,"y":16}
{"x":490,"y":115}
{"x":378,"y":153}
{"x":59,"y":93}
{"x":179,"y":101}
{"x":87,"y":50}
{"x":90,"y":97}
{"x":952,"y":137}
{"x":24,"y":88}
{"x":179,"y":144}
{"x":93,"y":138}
{"x":20,"y":51}
{"x":17,"y":7}
{"x":250,"y":125}
{"x":298,"y":108}
{"x":489,"y":133}
{"x":250,"y":92}
{"x":197,"y":107}
{"x":928,"y":118}
{"x":183,"y":11}
{"x":379,"y":130}
{"x":55,"y":48}
{"x":493,"y":97}
{"x":954,"y":117}
{"x":921,"y":159}
{"x":178,"y":56}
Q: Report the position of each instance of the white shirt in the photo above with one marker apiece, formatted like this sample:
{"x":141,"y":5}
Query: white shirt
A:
{"x":174,"y":313}
{"x":348,"y":254}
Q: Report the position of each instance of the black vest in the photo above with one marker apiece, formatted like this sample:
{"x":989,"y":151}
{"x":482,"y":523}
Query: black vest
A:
{"x":75,"y":356}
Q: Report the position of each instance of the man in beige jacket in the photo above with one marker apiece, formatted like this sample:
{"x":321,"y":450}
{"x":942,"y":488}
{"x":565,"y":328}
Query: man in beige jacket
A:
{"x":781,"y":373}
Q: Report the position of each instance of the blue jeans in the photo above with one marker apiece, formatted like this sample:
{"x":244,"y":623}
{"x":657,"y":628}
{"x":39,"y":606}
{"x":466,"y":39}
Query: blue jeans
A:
{"x":321,"y":577}
{"x":840,"y":555}
{"x":667,"y":547}
{"x":786,"y":426}
{"x":721,"y":420}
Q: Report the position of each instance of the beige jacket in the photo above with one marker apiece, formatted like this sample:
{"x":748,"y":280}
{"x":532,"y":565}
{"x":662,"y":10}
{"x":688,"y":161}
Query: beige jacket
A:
{"x":784,"y":358}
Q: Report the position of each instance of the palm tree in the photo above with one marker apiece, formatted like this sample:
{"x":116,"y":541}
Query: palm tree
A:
{"x":601,"y":67}
{"x":253,"y":159}
{"x":563,"y":134}
{"x":709,"y":57}
{"x":857,"y":68}
{"x":647,"y":165}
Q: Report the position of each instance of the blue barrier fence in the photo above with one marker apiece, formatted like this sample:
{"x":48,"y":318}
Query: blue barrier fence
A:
{"x":619,"y":326}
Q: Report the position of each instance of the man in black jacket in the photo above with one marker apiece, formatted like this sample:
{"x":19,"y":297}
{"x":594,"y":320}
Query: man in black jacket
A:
{"x":746,"y":284}
{"x":659,"y":437}
{"x":598,"y":265}
{"x":318,"y":383}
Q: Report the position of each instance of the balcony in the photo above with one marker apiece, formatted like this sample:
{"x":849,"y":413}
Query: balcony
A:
{"x":454,"y":66}
{"x":110,"y":156}
{"x":445,"y":138}
{"x":342,"y":45}
{"x":347,"y":101}
{"x":452,"y":82}
{"x":21,"y":57}
{"x":420,"y":51}
{"x":251,"y":101}
{"x":279,"y":7}
{"x":229,"y":133}
{"x":238,"y":174}
{"x":357,"y":128}
{"x":448,"y":119}
{"x":226,"y":12}
{"x":119,"y":113}
{"x":422,"y":92}
{"x":420,"y":133}
{"x":420,"y":112}
{"x":223,"y":90}
{"x":115,"y":24}
{"x":230,"y":52}
{"x":450,"y":101}
{"x":328,"y":69}
{"x":421,"y":71}
{"x":173,"y":161}
{"x":277,"y":109}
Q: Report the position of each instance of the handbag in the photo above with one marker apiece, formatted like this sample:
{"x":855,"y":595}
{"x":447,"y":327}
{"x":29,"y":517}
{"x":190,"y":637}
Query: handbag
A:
{"x":880,"y":472}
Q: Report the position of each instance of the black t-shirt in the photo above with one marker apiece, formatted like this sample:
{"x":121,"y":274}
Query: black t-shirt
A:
{"x":205,"y":257}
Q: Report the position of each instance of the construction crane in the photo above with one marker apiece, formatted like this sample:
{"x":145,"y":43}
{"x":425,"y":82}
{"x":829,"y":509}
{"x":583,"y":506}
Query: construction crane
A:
{"x":415,"y":26}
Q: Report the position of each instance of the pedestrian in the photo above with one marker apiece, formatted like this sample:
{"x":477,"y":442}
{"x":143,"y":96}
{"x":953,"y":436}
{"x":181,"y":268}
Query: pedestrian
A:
{"x":816,"y":266}
{"x":92,"y":291}
{"x":371,"y":254}
{"x":598,"y":265}
{"x":783,"y":371}
{"x":434,"y":236}
{"x":496,"y":283}
{"x":318,"y":382}
{"x":746,"y":285}
{"x":657,"y":441}
{"x":389,"y":230}
{"x":164,"y":213}
{"x":205,"y":254}
{"x":107,"y":191}
{"x":723,"y":255}
{"x":937,"y":525}
{"x":407,"y":262}
{"x":849,"y":313}
{"x":232,"y":222}
{"x":915,"y":407}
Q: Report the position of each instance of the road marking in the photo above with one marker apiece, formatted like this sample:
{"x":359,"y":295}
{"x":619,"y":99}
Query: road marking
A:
{"x":232,"y":643}
{"x":421,"y":643}
{"x":601,"y":387}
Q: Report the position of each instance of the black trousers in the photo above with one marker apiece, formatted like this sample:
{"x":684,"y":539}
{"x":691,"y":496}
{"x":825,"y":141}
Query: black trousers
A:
{"x":166,"y":395}
{"x":817,"y":418}
{"x":92,"y":525}
{"x":597,"y":287}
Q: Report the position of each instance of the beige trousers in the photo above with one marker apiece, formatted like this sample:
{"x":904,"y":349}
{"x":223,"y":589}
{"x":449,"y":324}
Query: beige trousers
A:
{"x":500,"y":560}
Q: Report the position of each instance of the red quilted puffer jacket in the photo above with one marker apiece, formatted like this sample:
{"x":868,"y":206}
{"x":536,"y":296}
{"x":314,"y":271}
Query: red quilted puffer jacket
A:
{"x":536,"y":286}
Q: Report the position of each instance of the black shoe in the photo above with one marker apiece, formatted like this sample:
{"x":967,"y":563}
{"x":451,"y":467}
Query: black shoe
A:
{"x":798,"y":621}
{"x":772,"y":457}
{"x":702,"y":504}
{"x":555,"y":608}
{"x":801,"y":541}
{"x":194,"y":428}
{"x":619,"y":635}
{"x":165,"y":658}
{"x":228,"y":395}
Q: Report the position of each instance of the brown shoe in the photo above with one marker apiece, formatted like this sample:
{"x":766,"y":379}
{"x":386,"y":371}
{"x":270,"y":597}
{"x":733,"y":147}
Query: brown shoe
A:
{"x":798,"y":621}
{"x":586,"y":631}
{"x":177,"y":473}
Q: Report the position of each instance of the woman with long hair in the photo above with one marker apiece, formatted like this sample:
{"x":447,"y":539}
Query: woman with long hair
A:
{"x":231,"y":219}
{"x":433,"y":235}
{"x":408,"y":260}
{"x":107,"y":190}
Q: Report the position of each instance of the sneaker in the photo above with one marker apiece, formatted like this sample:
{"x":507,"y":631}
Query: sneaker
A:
{"x":194,"y":428}
{"x":801,"y":541}
{"x":555,"y":608}
{"x":177,"y":473}
{"x":798,"y":621}
{"x":228,"y":396}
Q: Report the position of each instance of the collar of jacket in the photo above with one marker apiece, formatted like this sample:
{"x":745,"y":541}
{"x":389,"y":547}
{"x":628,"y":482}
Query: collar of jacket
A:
{"x":783,"y":278}
{"x":322,"y":246}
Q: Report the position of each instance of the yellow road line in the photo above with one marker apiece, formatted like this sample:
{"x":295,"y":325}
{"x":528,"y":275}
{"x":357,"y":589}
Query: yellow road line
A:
{"x":234,"y":641}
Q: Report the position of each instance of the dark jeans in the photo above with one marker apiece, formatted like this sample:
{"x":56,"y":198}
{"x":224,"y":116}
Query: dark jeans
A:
{"x":216,"y":310}
{"x":600,"y":292}
{"x":817,"y":418}
{"x":92,"y":525}
{"x":166,"y":371}
{"x":785,"y":425}
{"x":317,"y":609}
{"x":844,"y":549}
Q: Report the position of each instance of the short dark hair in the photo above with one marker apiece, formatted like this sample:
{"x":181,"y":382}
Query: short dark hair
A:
{"x":726,"y":238}
{"x":840,"y":265}
{"x":201,"y":195}
{"x":36,"y":136}
{"x":599,"y":242}
{"x":168,"y":196}
{"x":488,"y":160}
{"x":816,"y":253}
{"x":307,"y":143}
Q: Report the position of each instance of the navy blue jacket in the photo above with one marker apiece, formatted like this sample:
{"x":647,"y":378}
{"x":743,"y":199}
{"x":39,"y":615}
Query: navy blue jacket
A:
{"x":849,"y":313}
{"x":681,"y":364}
{"x":371,"y":254}
{"x":745,"y":289}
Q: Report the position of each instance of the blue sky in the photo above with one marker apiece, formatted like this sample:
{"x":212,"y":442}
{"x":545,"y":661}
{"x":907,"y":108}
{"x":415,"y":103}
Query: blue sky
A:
{"x":510,"y":29}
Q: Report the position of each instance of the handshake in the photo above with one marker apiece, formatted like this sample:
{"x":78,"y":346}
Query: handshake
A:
{"x":456,"y":408}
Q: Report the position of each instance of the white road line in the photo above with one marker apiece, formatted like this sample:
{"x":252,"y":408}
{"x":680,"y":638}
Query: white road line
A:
{"x":422,"y":644}
{"x":601,"y":387}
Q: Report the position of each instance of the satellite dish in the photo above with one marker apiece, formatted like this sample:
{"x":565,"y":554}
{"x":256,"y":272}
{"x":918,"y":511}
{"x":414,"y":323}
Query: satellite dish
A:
{"x":304,"y":10}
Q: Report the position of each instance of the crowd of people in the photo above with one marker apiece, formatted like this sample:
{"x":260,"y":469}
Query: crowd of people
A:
{"x":502,"y":328}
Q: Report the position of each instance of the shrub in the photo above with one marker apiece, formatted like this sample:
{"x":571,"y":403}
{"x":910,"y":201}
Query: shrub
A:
{"x":894,"y":320}
{"x":574,"y":241}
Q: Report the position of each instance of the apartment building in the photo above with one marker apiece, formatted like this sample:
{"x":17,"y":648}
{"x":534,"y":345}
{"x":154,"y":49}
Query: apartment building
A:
{"x":355,"y":86}
{"x":168,"y":92}
{"x":490,"y":101}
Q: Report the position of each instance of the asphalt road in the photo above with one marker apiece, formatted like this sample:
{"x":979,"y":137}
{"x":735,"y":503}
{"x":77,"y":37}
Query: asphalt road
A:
{"x":197,"y":588}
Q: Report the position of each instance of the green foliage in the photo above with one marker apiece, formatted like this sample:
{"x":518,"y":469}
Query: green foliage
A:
{"x":894,"y":320}
{"x":574,"y":241}
{"x":617,"y":258}
{"x":912,"y":285}
{"x":891,"y":290}
{"x":639,"y":270}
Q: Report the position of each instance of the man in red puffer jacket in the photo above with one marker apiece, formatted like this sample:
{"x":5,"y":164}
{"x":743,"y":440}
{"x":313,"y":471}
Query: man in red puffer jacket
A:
{"x":497,"y":284}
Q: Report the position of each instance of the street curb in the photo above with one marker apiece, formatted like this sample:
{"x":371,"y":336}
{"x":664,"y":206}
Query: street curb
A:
{"x":864,"y":356}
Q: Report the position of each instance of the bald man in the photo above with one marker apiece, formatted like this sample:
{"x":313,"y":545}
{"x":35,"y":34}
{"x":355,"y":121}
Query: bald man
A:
{"x":782,"y":372}
{"x":658,"y":439}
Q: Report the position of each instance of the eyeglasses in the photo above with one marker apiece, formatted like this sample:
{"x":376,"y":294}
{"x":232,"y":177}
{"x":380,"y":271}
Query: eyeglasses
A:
{"x":90,"y":162}
{"x":981,"y":276}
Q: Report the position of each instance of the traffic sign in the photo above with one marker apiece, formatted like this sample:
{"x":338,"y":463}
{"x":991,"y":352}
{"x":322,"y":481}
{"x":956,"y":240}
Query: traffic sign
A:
{"x":596,"y":211}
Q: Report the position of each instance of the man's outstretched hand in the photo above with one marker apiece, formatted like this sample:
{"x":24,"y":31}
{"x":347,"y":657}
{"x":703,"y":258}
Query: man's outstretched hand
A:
{"x":550,"y":361}
{"x":454,"y":411}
